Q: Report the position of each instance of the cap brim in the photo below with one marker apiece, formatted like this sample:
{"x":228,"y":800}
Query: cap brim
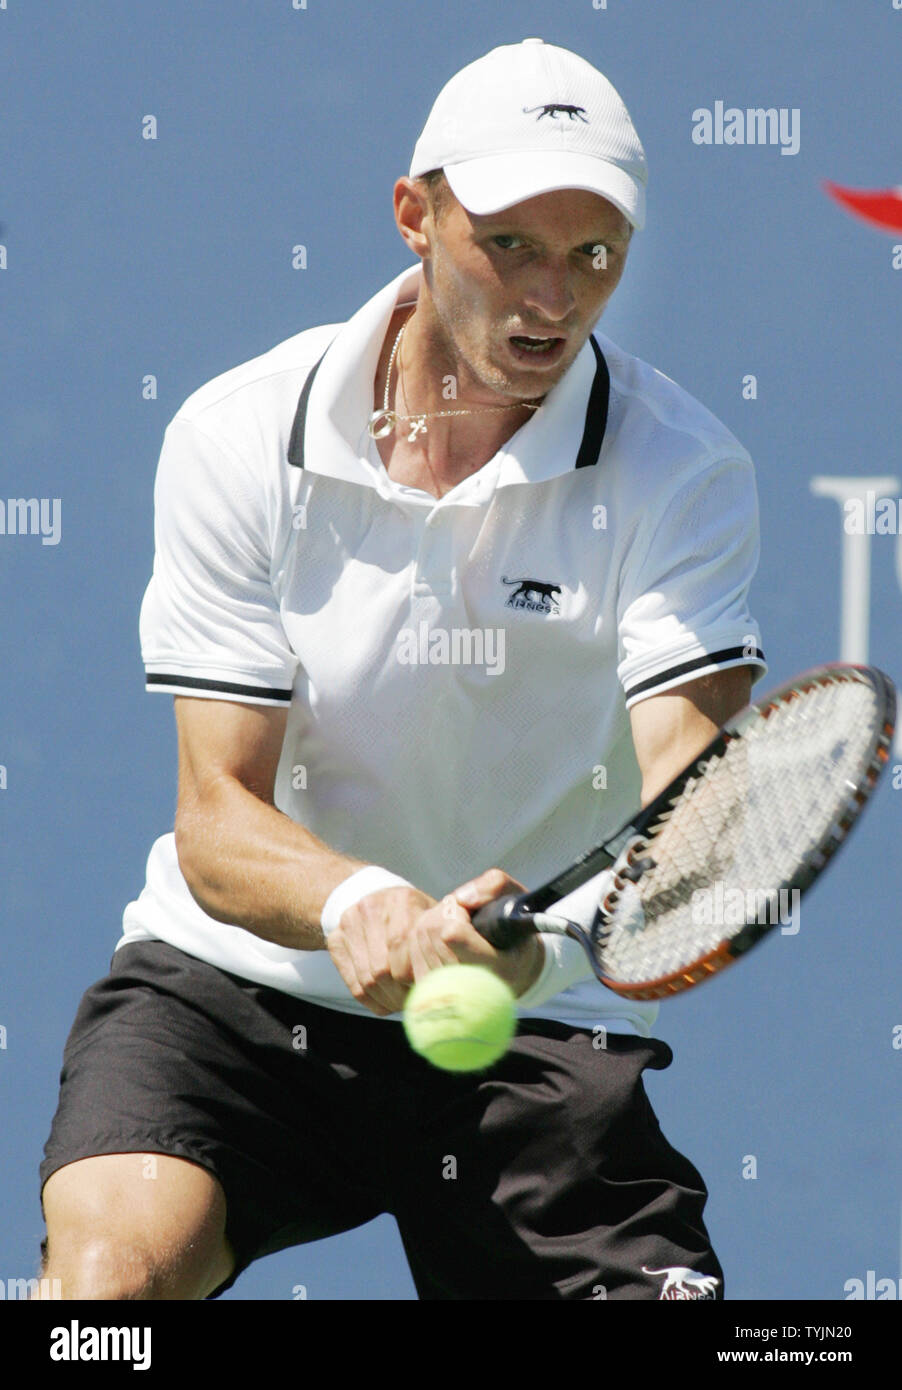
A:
{"x":499,"y":181}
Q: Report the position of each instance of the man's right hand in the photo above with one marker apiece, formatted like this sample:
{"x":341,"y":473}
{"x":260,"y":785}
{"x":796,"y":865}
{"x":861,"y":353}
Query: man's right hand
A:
{"x":371,"y":947}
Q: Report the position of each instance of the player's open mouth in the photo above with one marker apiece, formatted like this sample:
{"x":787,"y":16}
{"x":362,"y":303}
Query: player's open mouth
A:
{"x":528,"y":345}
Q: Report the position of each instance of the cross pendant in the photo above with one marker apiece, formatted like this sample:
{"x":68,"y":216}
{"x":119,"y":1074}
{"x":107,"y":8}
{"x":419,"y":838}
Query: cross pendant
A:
{"x":417,"y":426}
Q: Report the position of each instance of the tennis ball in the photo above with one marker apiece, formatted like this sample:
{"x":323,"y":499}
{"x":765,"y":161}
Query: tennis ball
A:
{"x":460,"y":1017}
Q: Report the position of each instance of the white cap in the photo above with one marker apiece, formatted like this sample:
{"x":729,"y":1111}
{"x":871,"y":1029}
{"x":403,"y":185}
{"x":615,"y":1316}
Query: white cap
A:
{"x":530,"y":118}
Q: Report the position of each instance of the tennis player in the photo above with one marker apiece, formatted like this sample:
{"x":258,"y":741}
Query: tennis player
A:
{"x":440,"y":592}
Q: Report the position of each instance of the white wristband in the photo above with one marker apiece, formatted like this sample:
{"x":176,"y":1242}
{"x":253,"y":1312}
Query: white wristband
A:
{"x":565,"y":963}
{"x":351,"y":890}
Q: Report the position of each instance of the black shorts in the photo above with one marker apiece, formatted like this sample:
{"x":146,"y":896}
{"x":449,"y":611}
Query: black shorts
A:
{"x":546,"y":1177}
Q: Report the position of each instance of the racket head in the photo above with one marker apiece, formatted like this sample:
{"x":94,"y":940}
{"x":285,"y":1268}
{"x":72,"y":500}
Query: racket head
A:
{"x":761,"y":811}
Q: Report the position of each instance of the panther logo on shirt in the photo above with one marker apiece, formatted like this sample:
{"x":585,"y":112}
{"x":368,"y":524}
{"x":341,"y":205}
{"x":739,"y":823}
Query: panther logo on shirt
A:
{"x":576,"y":113}
{"x":534,"y":595}
{"x":683,"y":1283}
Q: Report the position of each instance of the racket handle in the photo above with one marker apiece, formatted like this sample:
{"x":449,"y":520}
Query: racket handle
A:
{"x":499,"y":928}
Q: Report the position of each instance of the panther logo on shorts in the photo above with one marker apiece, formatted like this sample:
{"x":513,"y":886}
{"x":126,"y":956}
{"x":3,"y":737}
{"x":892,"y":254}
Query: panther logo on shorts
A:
{"x":680,"y":1282}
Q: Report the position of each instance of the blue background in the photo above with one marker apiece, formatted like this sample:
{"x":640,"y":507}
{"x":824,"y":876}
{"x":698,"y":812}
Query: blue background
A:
{"x":173,"y":257}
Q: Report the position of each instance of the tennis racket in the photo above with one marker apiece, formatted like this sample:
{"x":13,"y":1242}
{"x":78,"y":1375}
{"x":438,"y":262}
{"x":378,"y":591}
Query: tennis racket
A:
{"x":760,"y":812}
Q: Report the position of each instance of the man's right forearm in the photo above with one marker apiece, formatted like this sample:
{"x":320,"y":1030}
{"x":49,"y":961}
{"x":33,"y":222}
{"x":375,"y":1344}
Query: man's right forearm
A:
{"x":249,"y":865}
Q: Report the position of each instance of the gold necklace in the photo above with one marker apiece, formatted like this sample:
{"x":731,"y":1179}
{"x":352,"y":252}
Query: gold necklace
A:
{"x":383,"y":421}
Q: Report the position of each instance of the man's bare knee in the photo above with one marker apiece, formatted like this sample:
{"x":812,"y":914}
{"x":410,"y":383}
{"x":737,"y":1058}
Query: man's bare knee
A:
{"x":135,"y":1226}
{"x":107,"y":1268}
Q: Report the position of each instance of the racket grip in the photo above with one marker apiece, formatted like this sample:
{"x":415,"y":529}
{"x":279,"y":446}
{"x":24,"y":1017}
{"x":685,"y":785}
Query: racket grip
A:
{"x":497,"y":926}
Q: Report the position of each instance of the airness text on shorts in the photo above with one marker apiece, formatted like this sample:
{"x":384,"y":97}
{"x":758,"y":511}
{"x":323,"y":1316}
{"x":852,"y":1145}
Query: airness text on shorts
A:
{"x":456,"y":646}
{"x":78,"y":1343}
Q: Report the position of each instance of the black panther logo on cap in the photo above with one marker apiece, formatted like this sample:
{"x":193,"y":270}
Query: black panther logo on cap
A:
{"x":576,"y":113}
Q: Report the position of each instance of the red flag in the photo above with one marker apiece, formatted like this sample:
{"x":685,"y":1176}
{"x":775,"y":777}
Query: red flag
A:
{"x":881,"y":209}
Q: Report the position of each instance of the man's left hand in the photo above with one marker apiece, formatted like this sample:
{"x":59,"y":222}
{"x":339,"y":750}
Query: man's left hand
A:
{"x":445,"y":935}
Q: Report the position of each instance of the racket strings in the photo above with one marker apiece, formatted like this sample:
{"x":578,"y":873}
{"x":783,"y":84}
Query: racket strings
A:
{"x":770,"y":803}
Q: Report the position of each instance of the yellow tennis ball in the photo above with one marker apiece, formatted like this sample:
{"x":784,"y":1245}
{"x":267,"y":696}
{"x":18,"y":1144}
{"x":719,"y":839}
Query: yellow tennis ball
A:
{"x":460,"y":1017}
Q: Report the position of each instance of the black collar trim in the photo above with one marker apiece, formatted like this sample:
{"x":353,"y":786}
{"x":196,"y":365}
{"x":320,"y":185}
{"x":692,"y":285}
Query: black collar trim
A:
{"x":296,"y":442}
{"x":593,"y":430}
{"x":596,"y":411}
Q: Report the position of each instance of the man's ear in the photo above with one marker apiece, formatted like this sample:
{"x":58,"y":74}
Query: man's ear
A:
{"x":413,"y":215}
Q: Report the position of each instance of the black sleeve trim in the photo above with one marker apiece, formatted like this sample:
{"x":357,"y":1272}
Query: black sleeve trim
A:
{"x":712,"y":659}
{"x":260,"y":692}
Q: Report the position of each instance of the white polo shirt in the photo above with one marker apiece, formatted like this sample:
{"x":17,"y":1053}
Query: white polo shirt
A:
{"x":457,"y":671}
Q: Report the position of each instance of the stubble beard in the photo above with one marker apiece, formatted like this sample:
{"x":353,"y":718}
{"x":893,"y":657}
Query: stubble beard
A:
{"x":455,"y":323}
{"x":453,"y":318}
